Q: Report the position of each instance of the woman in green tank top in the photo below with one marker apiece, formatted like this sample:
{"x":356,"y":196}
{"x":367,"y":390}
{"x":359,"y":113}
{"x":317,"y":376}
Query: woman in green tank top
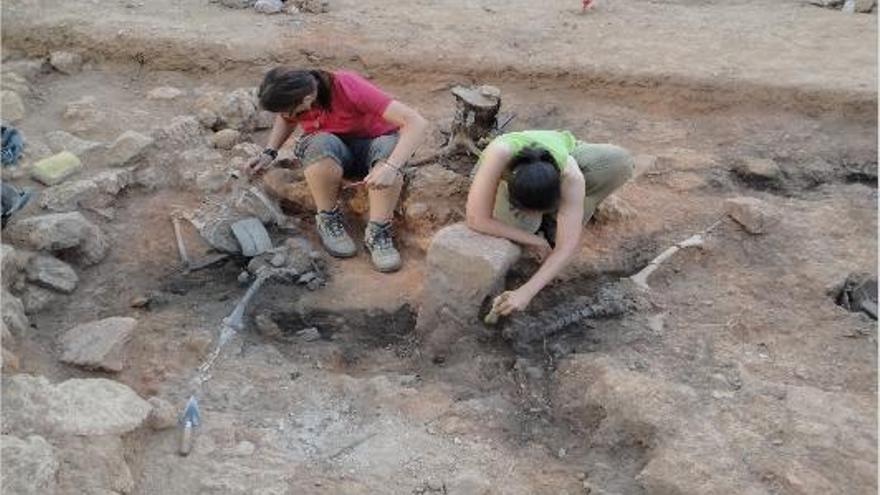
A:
{"x":524,"y":177}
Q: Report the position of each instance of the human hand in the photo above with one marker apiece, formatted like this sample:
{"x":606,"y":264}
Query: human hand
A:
{"x":510,"y":301}
{"x":382,"y":176}
{"x":256,"y":164}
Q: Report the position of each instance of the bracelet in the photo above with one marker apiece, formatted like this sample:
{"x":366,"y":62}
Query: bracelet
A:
{"x":395,"y":167}
{"x":271,"y":152}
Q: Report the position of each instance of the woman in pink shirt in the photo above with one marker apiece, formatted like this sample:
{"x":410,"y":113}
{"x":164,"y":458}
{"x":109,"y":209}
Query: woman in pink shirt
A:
{"x":351,"y":129}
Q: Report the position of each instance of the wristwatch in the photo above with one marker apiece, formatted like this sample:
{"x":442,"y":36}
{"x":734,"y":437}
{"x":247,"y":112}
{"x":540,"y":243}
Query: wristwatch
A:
{"x":271,"y":152}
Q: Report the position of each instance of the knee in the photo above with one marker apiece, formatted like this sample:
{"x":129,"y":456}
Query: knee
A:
{"x":320,"y":149}
{"x":621,"y":163}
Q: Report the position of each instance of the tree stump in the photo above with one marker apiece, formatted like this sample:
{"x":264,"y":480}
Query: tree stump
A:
{"x":476,"y":116}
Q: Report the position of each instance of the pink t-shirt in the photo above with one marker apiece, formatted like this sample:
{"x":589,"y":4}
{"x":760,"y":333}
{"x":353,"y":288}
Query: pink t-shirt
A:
{"x":356,"y":108}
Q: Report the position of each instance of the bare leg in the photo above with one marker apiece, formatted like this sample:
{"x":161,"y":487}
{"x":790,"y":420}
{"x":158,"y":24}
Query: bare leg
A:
{"x":324,"y":178}
{"x":383,"y":201}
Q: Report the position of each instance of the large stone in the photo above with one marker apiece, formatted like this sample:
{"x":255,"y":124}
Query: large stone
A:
{"x":239,"y":109}
{"x":36,"y":298}
{"x":69,"y":196}
{"x":112,"y":182}
{"x":52,"y":273}
{"x":28,"y":68}
{"x":12,"y":106}
{"x":864,"y":6}
{"x":127,"y":148}
{"x":14,"y":82}
{"x":93,"y":465}
{"x":13,"y":313}
{"x":12,"y":266}
{"x":755,"y":216}
{"x":183,"y":132}
{"x":164,"y":93}
{"x":88,"y":151}
{"x":758,"y":169}
{"x":84,"y":115}
{"x":66,"y":62}
{"x":463,"y":269}
{"x":61,"y":232}
{"x":98,"y":344}
{"x":434,"y":197}
{"x":94,"y":406}
{"x":614,"y":209}
{"x":56,"y":168}
{"x":29,"y":466}
{"x":225,"y":139}
{"x":268,"y":6}
{"x":163,"y":415}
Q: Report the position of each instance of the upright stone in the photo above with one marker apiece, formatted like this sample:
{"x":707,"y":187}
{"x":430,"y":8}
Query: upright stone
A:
{"x":463,"y":269}
{"x":98,"y":344}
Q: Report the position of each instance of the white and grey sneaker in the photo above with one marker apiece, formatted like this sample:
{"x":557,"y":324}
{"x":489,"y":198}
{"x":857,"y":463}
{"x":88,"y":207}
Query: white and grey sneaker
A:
{"x":331,"y":230}
{"x":380,"y":244}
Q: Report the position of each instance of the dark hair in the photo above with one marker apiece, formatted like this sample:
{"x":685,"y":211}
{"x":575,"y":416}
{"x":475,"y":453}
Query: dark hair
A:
{"x":283,"y":88}
{"x":535,"y":184}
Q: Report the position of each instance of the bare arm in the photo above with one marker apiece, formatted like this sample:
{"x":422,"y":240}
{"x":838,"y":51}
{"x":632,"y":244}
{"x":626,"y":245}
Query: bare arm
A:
{"x":412,"y":128}
{"x":281,"y":130}
{"x":481,"y":199}
{"x":569,"y":220}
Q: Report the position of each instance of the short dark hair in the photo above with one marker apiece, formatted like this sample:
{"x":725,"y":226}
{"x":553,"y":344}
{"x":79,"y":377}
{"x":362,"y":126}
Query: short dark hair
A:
{"x":535,"y":184}
{"x":284,"y":88}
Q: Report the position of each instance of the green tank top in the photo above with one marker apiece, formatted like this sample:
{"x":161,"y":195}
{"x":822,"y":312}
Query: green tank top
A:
{"x":560,"y":144}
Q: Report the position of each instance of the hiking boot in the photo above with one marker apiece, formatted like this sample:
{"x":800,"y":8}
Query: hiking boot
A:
{"x":380,"y":244}
{"x":335,"y":239}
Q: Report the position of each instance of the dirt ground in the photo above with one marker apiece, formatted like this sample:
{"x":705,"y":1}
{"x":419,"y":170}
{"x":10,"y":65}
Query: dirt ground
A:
{"x":741,"y":375}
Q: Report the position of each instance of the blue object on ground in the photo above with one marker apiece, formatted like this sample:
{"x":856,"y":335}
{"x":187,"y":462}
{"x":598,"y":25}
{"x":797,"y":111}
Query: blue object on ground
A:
{"x":12,"y":145}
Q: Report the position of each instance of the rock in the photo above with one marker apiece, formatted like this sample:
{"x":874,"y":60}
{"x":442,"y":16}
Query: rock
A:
{"x":183,"y":132}
{"x":236,"y":4}
{"x":614,"y":209}
{"x":211,"y":181}
{"x":69,"y":196}
{"x":84,"y":115}
{"x":164,"y":93}
{"x":112,"y":182}
{"x":264,"y":120}
{"x":52,"y":273}
{"x":89,"y":151}
{"x":29,"y":466}
{"x":8,"y":361}
{"x":12,"y":266}
{"x":163,"y":415}
{"x":61,"y":232}
{"x":28,"y":68}
{"x":860,"y":6}
{"x":93,"y":465}
{"x":309,"y":334}
{"x":36,"y":298}
{"x":239,"y":109}
{"x":99,"y":344}
{"x":311,"y":6}
{"x":127,"y":148}
{"x":13,"y":315}
{"x":94,"y":193}
{"x":56,"y":168}
{"x":434,"y":197}
{"x":66,"y":62}
{"x":245,"y":150}
{"x":11,"y":105}
{"x":267,"y":326}
{"x":755,"y":216}
{"x":463,"y":269}
{"x":857,"y":293}
{"x":15,"y":83}
{"x":225,"y":139}
{"x":268,"y":6}
{"x":758,"y":169}
{"x":93,"y":406}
